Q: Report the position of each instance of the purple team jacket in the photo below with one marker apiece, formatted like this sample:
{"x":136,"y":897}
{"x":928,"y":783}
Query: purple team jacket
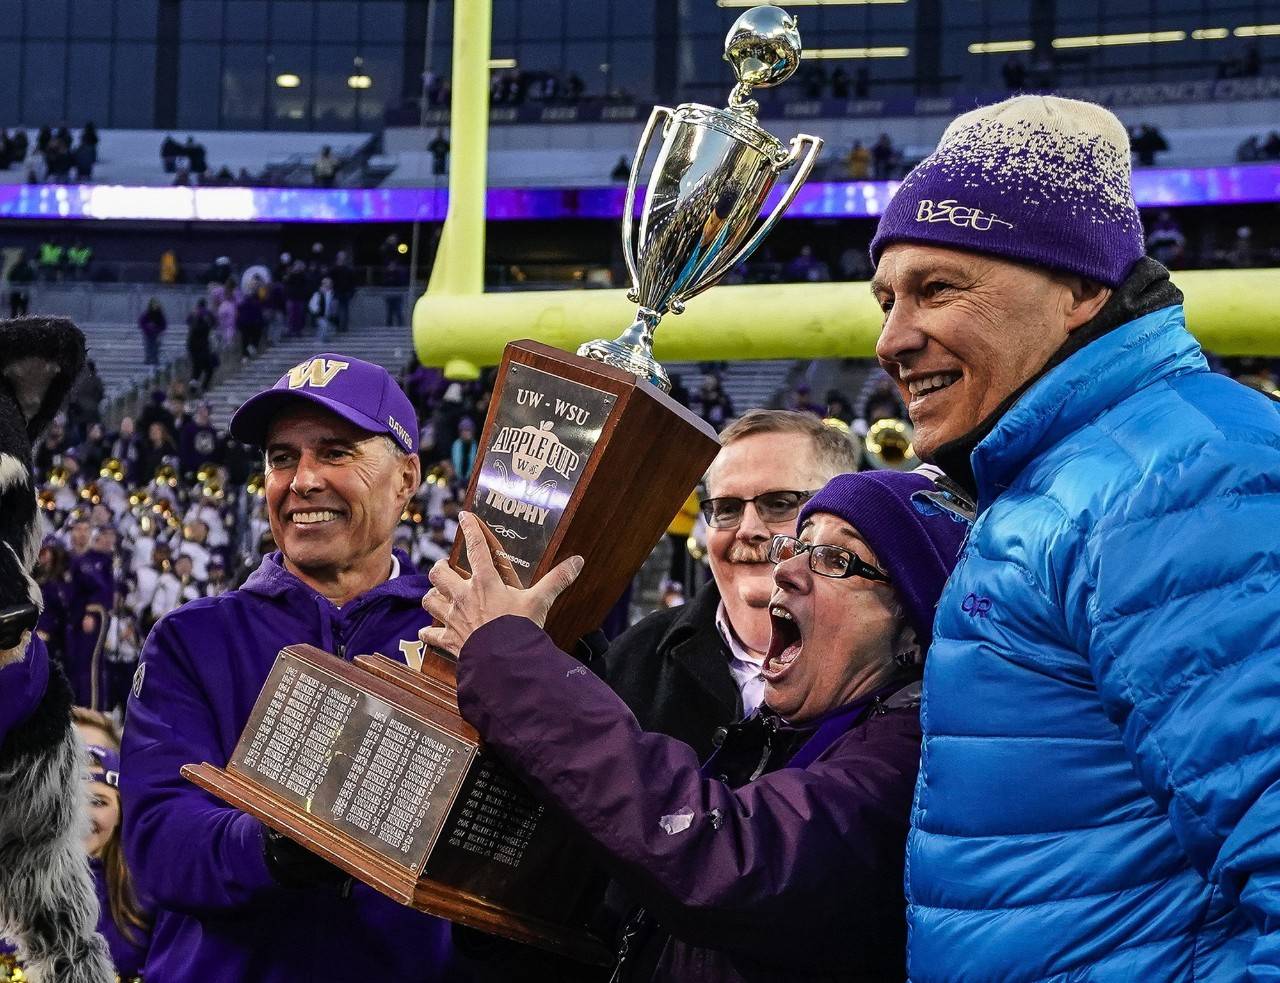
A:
{"x":22,"y":686}
{"x":218,"y":913}
{"x":797,"y":875}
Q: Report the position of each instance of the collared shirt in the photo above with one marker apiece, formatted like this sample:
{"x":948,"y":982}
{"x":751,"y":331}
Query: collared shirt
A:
{"x":743,"y":663}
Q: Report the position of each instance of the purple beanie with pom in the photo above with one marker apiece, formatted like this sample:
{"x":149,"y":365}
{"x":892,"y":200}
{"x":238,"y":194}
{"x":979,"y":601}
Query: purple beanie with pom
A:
{"x":1037,"y":179}
{"x":915,"y":543}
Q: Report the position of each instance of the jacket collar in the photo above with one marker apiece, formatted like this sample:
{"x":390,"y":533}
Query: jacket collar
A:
{"x":1137,"y":338}
{"x":271,"y":579}
{"x":693,"y":642}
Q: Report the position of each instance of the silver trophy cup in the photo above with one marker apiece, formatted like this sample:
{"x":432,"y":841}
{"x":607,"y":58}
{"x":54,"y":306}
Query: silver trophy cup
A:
{"x":703,"y":201}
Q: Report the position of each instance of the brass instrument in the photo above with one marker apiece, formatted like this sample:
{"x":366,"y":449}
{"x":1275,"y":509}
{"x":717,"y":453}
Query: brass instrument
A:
{"x":888,"y":446}
{"x":112,"y":468}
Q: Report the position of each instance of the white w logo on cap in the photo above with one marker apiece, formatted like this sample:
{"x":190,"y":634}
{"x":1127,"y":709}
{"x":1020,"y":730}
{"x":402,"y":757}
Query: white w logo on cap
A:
{"x":316,"y":373}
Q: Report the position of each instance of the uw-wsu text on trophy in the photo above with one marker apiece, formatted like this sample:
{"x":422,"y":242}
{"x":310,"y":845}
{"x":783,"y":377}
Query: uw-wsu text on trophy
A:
{"x":368,"y":763}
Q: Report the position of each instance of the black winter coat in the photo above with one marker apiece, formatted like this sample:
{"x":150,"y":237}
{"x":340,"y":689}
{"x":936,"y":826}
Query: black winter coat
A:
{"x":672,"y":670}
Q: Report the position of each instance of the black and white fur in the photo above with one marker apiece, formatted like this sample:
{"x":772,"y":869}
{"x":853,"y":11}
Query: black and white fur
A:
{"x":47,"y":900}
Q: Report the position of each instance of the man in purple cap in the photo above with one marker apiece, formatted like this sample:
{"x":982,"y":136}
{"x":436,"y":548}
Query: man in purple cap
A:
{"x":235,"y":901}
{"x":1099,"y":793}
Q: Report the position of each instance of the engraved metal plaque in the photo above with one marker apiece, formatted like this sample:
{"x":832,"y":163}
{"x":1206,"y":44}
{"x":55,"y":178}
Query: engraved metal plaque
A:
{"x":376,"y":772}
{"x":544,"y":430}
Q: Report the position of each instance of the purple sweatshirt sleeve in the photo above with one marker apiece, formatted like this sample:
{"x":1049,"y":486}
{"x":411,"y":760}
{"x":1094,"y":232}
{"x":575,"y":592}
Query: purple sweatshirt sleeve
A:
{"x":789,"y":860}
{"x":22,"y":686}
{"x":190,"y":852}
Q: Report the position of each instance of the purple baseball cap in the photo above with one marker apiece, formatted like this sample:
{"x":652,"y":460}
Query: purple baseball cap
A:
{"x":104,"y":765}
{"x":358,"y":391}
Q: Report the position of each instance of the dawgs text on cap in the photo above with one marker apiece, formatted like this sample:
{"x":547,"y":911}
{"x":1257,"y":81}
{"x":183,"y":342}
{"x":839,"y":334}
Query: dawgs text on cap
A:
{"x":358,"y":391}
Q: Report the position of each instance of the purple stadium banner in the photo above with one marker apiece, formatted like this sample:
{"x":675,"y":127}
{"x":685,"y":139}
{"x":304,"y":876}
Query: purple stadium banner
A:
{"x":1153,"y":188}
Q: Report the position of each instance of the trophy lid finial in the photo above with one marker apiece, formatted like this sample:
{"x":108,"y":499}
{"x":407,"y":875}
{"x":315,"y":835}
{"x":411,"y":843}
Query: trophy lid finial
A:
{"x":763,"y":46}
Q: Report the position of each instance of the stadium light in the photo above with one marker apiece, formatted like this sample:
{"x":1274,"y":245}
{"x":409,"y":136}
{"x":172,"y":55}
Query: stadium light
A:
{"x":1102,"y":40}
{"x":1257,"y":31}
{"x":1209,"y":34}
{"x":495,"y":63}
{"x":288,"y":80}
{"x":999,"y":47}
{"x":842,"y":53}
{"x":808,"y":3}
{"x":359,"y":81}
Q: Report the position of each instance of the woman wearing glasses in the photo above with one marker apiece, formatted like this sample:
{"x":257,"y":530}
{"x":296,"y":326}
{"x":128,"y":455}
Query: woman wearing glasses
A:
{"x":782,"y":857}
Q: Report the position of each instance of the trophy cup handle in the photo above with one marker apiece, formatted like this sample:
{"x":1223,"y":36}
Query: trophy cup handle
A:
{"x":797,"y":180}
{"x":628,"y":209}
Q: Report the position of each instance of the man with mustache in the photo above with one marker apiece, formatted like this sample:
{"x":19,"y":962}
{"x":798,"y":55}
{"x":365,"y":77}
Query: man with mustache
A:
{"x":233,"y":900}
{"x":1099,"y":790}
{"x":688,"y":671}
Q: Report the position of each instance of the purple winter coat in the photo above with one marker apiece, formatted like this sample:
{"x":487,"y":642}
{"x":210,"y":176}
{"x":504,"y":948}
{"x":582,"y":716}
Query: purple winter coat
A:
{"x":794,"y":876}
{"x":219,"y":914}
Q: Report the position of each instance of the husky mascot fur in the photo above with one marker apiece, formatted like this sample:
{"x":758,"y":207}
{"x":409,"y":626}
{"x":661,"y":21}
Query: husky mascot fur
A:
{"x":47,"y":900}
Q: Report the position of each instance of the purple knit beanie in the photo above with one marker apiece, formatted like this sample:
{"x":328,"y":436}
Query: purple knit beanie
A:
{"x":1037,"y":179}
{"x":917,"y":547}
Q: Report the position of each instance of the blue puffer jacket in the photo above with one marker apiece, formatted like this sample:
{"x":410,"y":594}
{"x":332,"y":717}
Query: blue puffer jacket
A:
{"x":1099,"y":793}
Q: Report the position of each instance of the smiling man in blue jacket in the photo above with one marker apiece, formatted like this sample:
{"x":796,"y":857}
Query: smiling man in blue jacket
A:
{"x":1099,"y":791}
{"x":234,"y":901}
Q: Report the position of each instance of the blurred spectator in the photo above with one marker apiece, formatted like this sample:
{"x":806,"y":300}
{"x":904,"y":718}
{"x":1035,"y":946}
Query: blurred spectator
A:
{"x":621,"y":170}
{"x":717,"y":407}
{"x":1165,"y":241}
{"x":222,"y":304}
{"x":152,"y":324}
{"x":170,"y":149}
{"x":1242,"y":254}
{"x":297,"y":291}
{"x":343,"y":277}
{"x":861,"y":82}
{"x":83,"y":157}
{"x":195,"y":154}
{"x":840,"y":83}
{"x":169,"y":266}
{"x":815,"y":80}
{"x":464,"y":450}
{"x":1147,"y":141}
{"x":439,"y":151}
{"x":394,"y":274}
{"x":324,"y":309}
{"x":678,"y":391}
{"x":182,"y":179}
{"x":1271,"y":149}
{"x":1014,"y":73}
{"x":158,"y":445}
{"x":21,"y":275}
{"x":220,"y":270}
{"x":197,"y":441}
{"x":858,"y":163}
{"x":85,"y":402}
{"x":79,"y":256}
{"x":806,"y":268}
{"x":325,"y":169}
{"x":882,"y":157}
{"x":53,"y":256}
{"x":250,"y":321}
{"x":200,"y":345}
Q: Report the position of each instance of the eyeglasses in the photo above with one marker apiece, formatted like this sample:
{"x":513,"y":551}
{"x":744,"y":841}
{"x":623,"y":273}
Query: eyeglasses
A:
{"x":826,"y":561}
{"x":772,"y":506}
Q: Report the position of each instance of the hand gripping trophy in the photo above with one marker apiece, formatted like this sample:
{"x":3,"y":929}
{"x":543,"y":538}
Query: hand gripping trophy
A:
{"x":712,"y":176}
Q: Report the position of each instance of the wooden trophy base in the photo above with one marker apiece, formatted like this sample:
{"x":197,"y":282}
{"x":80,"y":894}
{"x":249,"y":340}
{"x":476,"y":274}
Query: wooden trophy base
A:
{"x":483,"y":853}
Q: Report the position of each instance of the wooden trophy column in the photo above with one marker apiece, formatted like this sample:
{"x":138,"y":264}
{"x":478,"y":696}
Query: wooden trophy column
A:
{"x":369,"y":764}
